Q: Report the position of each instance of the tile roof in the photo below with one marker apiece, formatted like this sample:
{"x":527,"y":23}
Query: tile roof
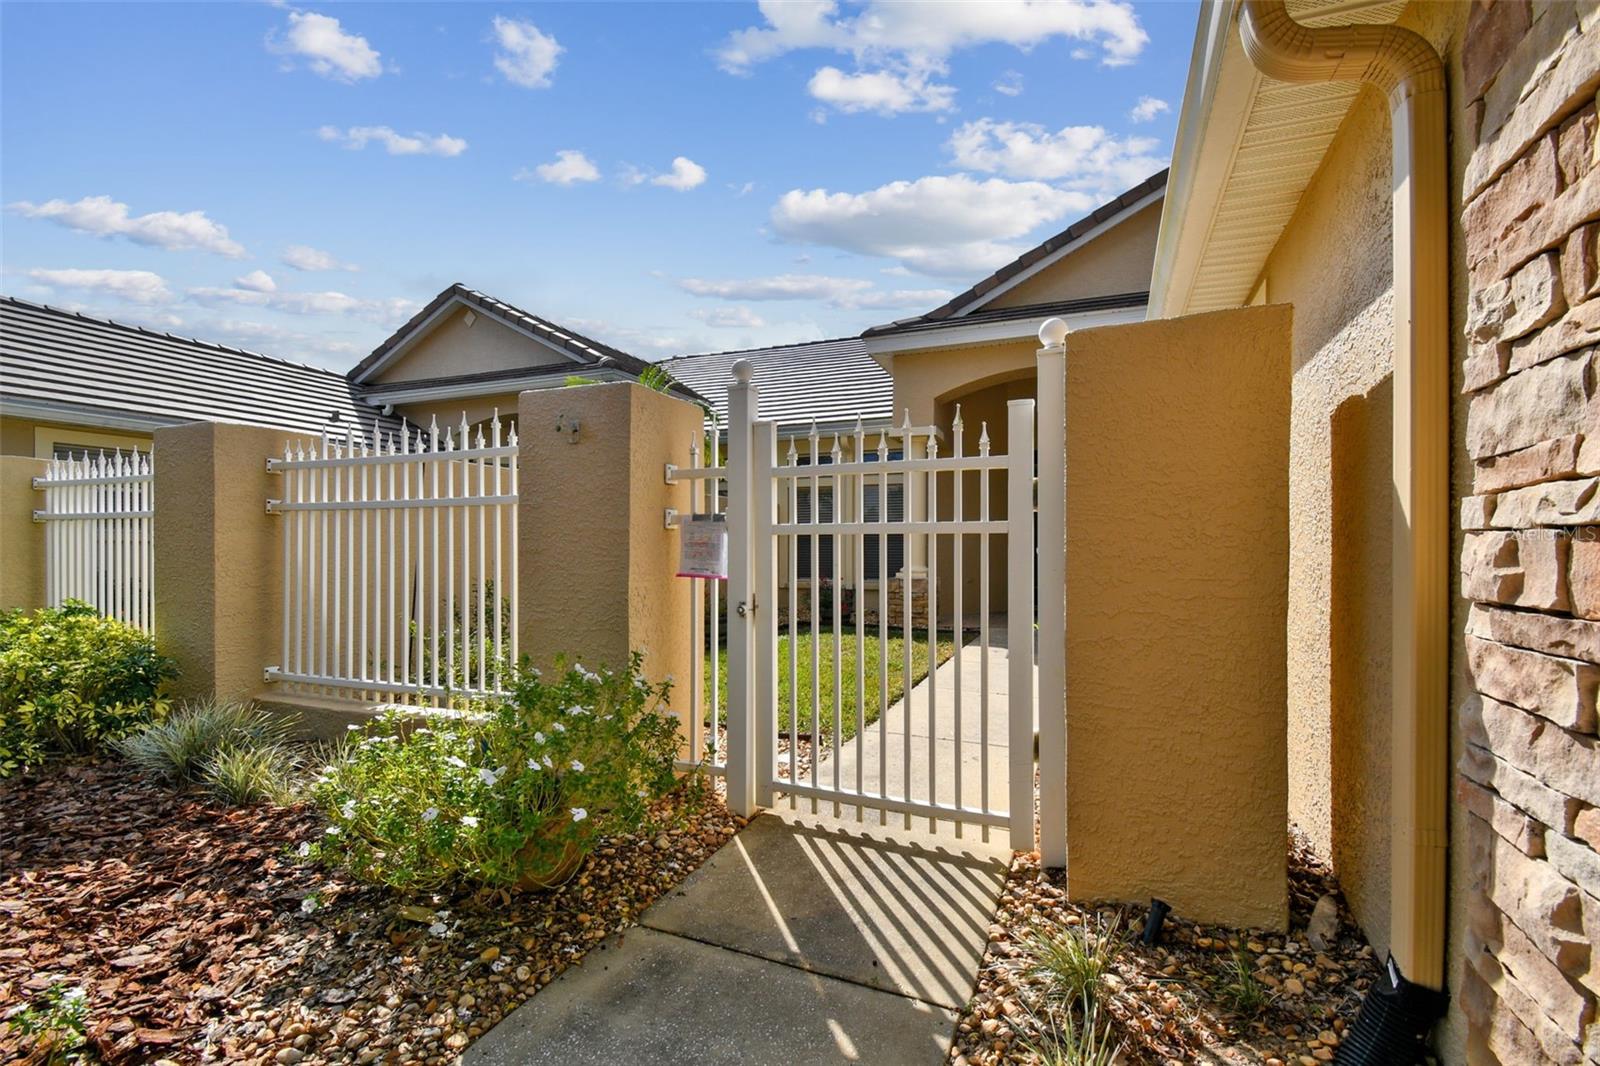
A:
{"x":833,"y":381}
{"x":61,"y":359}
{"x":584,"y":349}
{"x":1027,"y":259}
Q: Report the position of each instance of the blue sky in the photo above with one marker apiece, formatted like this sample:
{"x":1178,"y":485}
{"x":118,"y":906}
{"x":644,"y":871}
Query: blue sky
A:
{"x":667,"y":177}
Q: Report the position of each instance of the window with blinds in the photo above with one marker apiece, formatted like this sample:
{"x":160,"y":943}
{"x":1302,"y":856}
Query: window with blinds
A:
{"x":872,"y":491}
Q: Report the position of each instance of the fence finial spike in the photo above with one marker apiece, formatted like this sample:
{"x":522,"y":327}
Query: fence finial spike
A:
{"x":957,"y":423}
{"x":906,"y":425}
{"x":794,"y":455}
{"x":983,"y":439}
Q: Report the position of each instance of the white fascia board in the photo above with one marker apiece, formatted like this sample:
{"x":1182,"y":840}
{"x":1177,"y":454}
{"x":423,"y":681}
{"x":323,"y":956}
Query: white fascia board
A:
{"x":424,"y":393}
{"x":1061,"y":253}
{"x":1217,"y":102}
{"x":76,"y":414}
{"x":956,"y":335}
{"x":427,"y":325}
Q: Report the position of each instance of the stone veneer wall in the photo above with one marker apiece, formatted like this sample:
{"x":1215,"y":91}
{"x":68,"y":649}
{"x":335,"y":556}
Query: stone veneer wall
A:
{"x":1528,"y":783}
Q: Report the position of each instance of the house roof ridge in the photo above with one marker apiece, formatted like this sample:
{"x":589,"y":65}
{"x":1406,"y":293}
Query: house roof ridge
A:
{"x":759,"y":348}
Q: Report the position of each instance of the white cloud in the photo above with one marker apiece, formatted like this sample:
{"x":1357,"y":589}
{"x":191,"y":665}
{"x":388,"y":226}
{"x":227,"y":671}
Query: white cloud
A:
{"x":284,"y":343}
{"x":102,"y":216}
{"x":1148,"y":108}
{"x":389,"y":311}
{"x":645,"y":342}
{"x":526,"y":56}
{"x":328,"y":49}
{"x":942,"y":225}
{"x":923,"y":34}
{"x":135,"y":286}
{"x":684,"y":175}
{"x":569,"y":168}
{"x":256,"y":281}
{"x":305,"y":257}
{"x":881,"y":92}
{"x":358,"y":137}
{"x":1009,"y":84}
{"x":728,"y":317}
{"x":1085,"y":158}
{"x":840,"y":292}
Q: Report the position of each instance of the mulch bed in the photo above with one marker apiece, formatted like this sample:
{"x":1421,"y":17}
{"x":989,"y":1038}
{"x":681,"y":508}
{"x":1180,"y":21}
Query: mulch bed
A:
{"x":1166,"y":1002}
{"x":187,"y":924}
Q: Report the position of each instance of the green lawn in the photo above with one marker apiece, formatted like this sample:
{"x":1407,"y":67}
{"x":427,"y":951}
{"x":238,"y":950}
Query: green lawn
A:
{"x":870,"y":649}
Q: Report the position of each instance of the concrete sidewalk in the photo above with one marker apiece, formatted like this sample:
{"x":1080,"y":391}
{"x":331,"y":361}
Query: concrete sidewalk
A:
{"x":804,"y":940}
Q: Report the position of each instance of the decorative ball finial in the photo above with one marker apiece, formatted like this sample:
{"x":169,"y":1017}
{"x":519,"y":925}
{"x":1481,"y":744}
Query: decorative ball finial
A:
{"x":1053,"y":333}
{"x":743,"y":371}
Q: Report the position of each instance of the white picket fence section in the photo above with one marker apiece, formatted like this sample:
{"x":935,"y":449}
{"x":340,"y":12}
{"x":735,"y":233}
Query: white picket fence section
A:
{"x":99,"y":534}
{"x":400,"y":565}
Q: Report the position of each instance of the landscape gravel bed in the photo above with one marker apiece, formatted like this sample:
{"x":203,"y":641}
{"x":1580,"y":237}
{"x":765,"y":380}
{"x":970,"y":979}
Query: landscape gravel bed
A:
{"x":198,"y":935}
{"x":1168,"y":1003}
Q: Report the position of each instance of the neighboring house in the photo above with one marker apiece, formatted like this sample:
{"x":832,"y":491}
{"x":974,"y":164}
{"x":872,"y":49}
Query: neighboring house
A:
{"x":1446,"y":762}
{"x":69,"y":382}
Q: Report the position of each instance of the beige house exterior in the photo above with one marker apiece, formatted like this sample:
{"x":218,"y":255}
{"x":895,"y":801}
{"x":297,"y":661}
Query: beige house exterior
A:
{"x":1443,"y":629}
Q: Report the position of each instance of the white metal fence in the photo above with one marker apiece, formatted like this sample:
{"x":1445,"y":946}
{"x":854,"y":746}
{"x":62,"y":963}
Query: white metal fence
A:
{"x":704,"y":711}
{"x":400,"y":565}
{"x":99,"y":534}
{"x":970,"y":762}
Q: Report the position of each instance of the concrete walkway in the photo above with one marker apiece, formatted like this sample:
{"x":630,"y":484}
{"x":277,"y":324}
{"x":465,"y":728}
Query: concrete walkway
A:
{"x":880,"y":750}
{"x":804,"y":940}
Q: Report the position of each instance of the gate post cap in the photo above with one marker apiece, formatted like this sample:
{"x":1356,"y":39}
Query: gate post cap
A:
{"x":1053,"y":333}
{"x":743,"y":371}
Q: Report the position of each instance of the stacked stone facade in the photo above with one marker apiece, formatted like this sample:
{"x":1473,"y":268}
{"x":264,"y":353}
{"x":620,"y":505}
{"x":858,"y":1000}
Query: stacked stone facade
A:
{"x":1528,"y":783}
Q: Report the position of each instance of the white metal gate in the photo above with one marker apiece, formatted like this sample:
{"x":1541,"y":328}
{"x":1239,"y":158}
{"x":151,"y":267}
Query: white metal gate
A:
{"x":99,"y":534}
{"x":809,"y":523}
{"x":400,"y":565}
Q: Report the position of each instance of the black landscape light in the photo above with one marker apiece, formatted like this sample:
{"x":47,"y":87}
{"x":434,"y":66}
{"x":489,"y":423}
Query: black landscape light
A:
{"x":1154,"y":920}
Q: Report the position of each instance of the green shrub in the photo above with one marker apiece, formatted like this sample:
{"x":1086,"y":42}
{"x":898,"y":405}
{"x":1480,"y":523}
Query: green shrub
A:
{"x":180,"y":747}
{"x":71,"y":681}
{"x":252,"y":773}
{"x":1066,"y":1040}
{"x":55,"y":1019}
{"x":1071,"y":960}
{"x":513,"y":797}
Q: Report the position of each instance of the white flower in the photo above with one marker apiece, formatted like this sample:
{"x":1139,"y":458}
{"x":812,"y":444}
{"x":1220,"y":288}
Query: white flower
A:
{"x":575,"y":709}
{"x":430,"y":814}
{"x":332,"y":830}
{"x":456,"y":762}
{"x":422,"y":731}
{"x":560,"y":728}
{"x":538,"y":738}
{"x":470,"y":821}
{"x":578,"y":766}
{"x":74,"y":995}
{"x":644,"y":793}
{"x":533,"y":764}
{"x":548,"y":764}
{"x":489,"y":777}
{"x":308,"y":905}
{"x":351,"y":728}
{"x":348,"y":811}
{"x":579,"y":814}
{"x":304,"y":849}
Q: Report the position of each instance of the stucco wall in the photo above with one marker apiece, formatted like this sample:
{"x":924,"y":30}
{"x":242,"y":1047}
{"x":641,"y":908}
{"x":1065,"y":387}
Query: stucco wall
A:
{"x":1340,"y":488}
{"x":1177,"y":563}
{"x":20,"y":436}
{"x":21,"y":538}
{"x":925,"y":380}
{"x":454,"y":348}
{"x":1115,"y":262}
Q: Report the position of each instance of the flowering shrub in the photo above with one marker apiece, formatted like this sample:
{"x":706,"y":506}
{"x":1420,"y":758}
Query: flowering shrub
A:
{"x":514,"y":796}
{"x":70,"y":681}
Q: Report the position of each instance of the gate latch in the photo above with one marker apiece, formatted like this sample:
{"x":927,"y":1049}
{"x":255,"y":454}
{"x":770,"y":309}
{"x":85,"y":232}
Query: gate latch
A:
{"x":741,"y":609}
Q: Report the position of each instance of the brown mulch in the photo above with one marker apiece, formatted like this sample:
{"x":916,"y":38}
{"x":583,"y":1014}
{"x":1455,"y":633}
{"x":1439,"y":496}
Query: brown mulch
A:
{"x":187,"y":925}
{"x":1167,"y":1003}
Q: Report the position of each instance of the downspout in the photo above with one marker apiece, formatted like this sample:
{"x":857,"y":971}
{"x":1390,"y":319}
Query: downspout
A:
{"x":1408,"y":70}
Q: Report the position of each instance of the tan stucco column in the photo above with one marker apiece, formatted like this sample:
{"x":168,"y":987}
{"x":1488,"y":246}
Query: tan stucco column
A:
{"x":21,"y":538}
{"x":218,"y":556}
{"x":1177,"y":564}
{"x":596,"y":561}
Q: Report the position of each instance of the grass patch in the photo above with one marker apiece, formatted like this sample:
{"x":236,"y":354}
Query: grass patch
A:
{"x":1071,"y":960}
{"x":868,"y":652}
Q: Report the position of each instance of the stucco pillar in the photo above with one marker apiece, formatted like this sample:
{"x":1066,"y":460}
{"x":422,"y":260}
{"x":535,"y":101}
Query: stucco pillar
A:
{"x":596,"y":561}
{"x":21,"y":538}
{"x":1177,"y":564}
{"x":218,"y":556}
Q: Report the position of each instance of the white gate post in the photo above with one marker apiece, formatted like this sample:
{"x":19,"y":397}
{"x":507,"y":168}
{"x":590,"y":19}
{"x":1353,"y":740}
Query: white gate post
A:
{"x":1053,"y":594}
{"x":1019,"y":617}
{"x":764,"y":593}
{"x":741,"y":752}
